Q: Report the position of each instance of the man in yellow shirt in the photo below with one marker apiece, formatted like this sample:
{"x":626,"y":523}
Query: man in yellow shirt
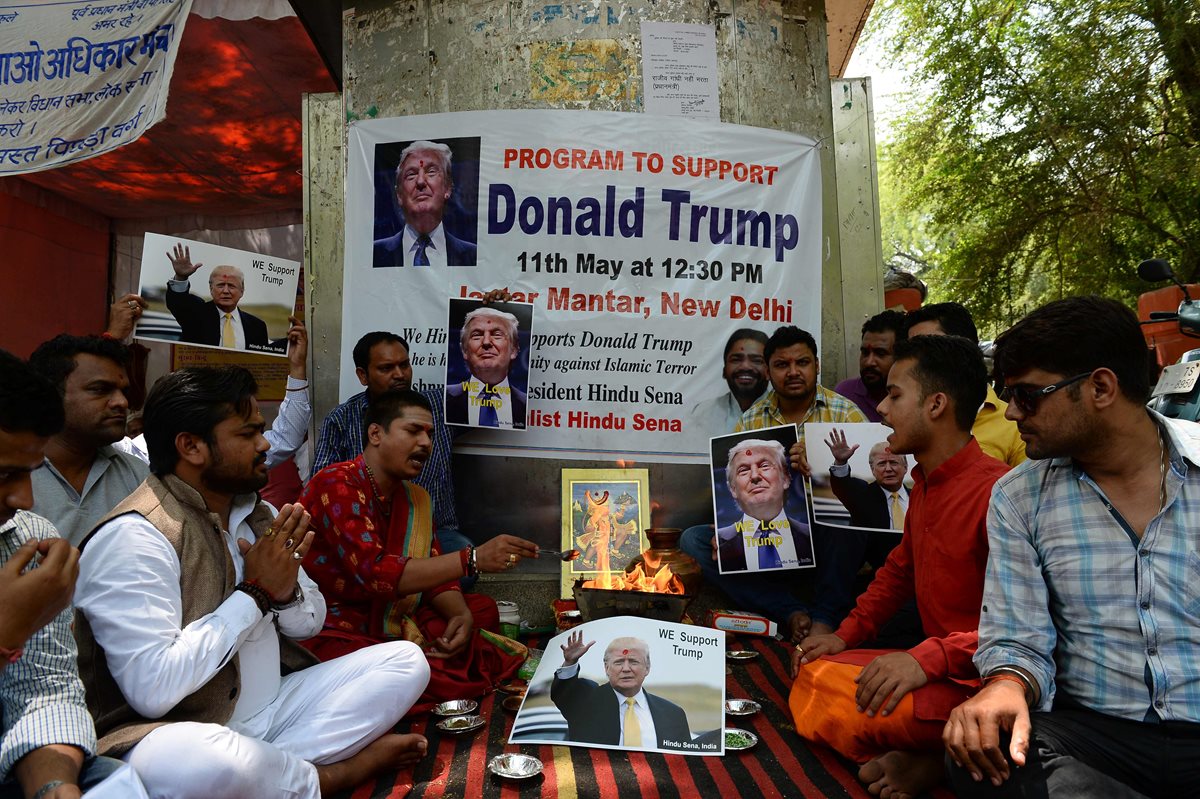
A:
{"x":996,"y":435}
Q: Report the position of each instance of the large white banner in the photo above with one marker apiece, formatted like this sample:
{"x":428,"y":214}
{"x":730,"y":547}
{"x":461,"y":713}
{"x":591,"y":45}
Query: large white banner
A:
{"x":643,"y":242}
{"x":80,"y":78}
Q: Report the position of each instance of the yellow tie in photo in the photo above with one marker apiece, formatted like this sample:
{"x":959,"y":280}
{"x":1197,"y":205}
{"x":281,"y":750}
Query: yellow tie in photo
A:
{"x":227,"y":339}
{"x":897,"y":512}
{"x":633,"y":730}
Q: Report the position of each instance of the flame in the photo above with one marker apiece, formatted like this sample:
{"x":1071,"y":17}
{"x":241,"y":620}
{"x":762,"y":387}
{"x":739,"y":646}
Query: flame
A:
{"x":662,"y":581}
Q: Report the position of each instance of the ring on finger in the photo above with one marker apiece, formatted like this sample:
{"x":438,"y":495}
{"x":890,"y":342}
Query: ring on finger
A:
{"x":288,"y":544}
{"x":512,"y":557}
{"x":270,"y":532}
{"x":800,"y":649}
{"x":296,"y":555}
{"x":133,"y":305}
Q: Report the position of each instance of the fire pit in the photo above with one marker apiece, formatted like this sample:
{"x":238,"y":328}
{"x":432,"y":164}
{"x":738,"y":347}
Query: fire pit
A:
{"x":656,"y":585}
{"x":603,"y":603}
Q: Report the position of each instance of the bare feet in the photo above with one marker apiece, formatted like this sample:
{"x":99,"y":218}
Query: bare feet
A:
{"x":799,"y":623}
{"x":902,"y":775}
{"x":820,"y":628}
{"x":388,"y":753}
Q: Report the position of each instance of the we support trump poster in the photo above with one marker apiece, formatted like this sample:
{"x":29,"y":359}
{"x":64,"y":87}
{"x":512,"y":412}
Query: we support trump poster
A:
{"x":641,"y":242}
{"x":629,"y":683}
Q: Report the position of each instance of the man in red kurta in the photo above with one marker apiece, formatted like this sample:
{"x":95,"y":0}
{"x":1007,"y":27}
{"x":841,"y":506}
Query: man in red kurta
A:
{"x":377,"y":564}
{"x":889,"y":707}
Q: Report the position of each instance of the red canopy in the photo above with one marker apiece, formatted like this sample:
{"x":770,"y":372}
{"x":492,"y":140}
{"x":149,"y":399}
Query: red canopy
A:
{"x":231,"y":142}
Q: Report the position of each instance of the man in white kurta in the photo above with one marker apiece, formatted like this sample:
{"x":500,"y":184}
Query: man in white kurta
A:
{"x":317,"y":730}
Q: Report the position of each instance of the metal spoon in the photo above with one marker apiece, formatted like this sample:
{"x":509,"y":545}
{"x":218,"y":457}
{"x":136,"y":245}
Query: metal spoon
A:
{"x":565,"y":556}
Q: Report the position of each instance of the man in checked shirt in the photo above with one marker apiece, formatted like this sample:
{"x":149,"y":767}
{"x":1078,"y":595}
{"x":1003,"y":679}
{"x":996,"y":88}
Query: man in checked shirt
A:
{"x":48,"y":741}
{"x":1089,"y":634}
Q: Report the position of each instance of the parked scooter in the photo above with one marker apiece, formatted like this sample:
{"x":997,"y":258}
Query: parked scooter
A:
{"x":1177,"y":392}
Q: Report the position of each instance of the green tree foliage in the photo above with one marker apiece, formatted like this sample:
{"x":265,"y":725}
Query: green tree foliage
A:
{"x":1057,"y":145}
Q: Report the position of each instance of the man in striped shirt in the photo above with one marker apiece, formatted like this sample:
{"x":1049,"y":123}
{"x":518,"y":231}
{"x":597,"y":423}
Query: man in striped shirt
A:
{"x":48,"y":738}
{"x":1089,"y":632}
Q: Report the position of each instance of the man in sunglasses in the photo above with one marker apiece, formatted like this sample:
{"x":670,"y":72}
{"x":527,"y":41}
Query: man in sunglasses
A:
{"x":1090,"y":624}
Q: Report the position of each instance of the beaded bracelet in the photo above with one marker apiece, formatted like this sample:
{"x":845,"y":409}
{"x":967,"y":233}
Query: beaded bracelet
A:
{"x":257,"y":593}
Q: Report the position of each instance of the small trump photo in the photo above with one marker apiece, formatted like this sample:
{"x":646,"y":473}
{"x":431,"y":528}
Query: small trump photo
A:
{"x":487,"y":363}
{"x":629,"y":683}
{"x":759,"y":505}
{"x":857,"y":481}
{"x":213,"y":296}
{"x":426,"y":203}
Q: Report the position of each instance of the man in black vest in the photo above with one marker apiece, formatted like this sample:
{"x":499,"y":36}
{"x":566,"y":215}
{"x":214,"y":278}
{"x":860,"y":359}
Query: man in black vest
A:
{"x":190,"y":599}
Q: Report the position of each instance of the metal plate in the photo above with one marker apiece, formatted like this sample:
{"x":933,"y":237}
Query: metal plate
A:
{"x":1178,"y":378}
{"x":456,"y":707}
{"x":457,"y":725}
{"x":739,"y":655}
{"x":751,"y":740}
{"x":515,"y":767}
{"x":741,"y":707}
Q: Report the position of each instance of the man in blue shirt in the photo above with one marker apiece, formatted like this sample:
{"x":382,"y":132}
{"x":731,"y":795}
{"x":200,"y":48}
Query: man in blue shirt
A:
{"x":382,"y":364}
{"x":1089,"y":633}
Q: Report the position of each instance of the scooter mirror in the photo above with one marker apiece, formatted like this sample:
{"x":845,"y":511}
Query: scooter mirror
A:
{"x":1153,"y":270}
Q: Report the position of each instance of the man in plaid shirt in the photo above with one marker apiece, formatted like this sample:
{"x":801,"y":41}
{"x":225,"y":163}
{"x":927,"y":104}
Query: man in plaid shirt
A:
{"x":48,"y":737}
{"x":1089,"y":632}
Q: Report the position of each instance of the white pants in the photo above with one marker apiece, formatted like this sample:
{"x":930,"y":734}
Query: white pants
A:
{"x":323,"y":714}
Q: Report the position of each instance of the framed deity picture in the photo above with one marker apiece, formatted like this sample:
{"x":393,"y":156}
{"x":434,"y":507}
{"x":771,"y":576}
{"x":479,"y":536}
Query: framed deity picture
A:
{"x":605,"y":513}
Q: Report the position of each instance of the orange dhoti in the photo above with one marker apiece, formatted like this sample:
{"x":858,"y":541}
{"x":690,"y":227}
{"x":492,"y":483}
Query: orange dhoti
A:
{"x":824,"y":710}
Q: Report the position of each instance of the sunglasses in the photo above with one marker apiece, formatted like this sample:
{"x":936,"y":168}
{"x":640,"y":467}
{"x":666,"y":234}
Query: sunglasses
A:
{"x":1026,"y":398}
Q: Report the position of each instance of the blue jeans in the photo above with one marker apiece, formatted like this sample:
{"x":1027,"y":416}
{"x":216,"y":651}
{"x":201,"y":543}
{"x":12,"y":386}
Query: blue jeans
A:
{"x":451,"y":540}
{"x":95,"y":770}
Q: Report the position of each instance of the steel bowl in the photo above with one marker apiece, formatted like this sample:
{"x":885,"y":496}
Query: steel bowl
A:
{"x":748,"y":741}
{"x":515,"y":766}
{"x":458,"y":725}
{"x":513,"y":703}
{"x":741,"y":707}
{"x":456,"y":707}
{"x":740,"y":655}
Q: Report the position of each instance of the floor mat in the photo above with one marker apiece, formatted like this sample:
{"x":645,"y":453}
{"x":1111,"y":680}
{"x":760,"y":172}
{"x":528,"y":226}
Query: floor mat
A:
{"x":782,"y":765}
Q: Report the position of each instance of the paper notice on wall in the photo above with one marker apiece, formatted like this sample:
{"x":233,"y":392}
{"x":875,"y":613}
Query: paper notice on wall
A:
{"x":679,"y":70}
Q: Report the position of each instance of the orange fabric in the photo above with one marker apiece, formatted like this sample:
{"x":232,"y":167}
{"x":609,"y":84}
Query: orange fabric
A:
{"x":822,"y":705}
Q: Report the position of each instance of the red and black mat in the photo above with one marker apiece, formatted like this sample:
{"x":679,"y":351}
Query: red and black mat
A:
{"x":782,"y":765}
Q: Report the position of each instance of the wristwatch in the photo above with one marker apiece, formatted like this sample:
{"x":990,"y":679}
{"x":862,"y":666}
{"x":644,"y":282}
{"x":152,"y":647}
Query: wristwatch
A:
{"x":297,"y":598}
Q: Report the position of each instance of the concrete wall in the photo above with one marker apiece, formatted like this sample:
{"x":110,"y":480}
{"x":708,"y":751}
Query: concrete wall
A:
{"x":861,"y":276}
{"x":428,"y":56}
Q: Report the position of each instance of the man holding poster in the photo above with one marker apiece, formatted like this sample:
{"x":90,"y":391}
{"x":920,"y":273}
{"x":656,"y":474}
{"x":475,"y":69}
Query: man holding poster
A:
{"x":490,"y":348}
{"x":766,"y":537}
